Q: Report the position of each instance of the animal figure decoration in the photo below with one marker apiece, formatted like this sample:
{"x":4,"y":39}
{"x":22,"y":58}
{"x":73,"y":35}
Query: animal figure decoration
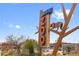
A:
{"x":57,"y":26}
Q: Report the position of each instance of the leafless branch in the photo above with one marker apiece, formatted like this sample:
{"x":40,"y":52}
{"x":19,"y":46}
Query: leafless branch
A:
{"x":64,"y":12}
{"x":71,"y":12}
{"x":70,"y":31}
{"x":36,"y":32}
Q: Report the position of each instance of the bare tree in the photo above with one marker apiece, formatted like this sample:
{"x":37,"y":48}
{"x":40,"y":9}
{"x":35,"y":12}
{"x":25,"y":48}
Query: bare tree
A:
{"x":63,"y":32}
{"x":14,"y":40}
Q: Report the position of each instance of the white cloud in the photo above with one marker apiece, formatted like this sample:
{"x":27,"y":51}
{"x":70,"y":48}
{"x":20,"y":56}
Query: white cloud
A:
{"x":14,"y":26}
{"x":59,"y":14}
{"x":18,"y":26}
{"x":11,"y":25}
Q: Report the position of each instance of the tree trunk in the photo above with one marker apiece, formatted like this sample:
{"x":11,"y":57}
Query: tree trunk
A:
{"x":57,"y":45}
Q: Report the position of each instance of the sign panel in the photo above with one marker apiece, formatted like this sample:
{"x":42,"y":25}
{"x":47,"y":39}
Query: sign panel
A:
{"x":42,"y":31}
{"x":44,"y":28}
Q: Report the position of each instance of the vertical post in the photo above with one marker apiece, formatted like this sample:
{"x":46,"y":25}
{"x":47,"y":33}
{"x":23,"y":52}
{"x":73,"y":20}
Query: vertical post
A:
{"x":39,"y":43}
{"x":48,"y":31}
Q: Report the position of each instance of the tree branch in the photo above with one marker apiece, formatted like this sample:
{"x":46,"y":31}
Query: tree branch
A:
{"x":71,"y":12}
{"x":70,"y":31}
{"x":36,"y":32}
{"x":55,"y":31}
{"x":64,"y":12}
{"x":67,"y":18}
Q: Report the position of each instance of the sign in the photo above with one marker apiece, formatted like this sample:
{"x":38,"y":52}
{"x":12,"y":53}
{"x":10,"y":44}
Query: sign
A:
{"x":44,"y":28}
{"x":42,"y":31}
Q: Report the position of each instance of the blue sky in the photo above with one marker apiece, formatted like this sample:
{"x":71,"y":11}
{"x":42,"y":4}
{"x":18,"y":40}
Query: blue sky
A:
{"x":22,"y":19}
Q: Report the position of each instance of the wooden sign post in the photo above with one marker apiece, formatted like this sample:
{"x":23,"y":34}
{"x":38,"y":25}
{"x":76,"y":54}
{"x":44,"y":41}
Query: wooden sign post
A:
{"x":44,"y":29}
